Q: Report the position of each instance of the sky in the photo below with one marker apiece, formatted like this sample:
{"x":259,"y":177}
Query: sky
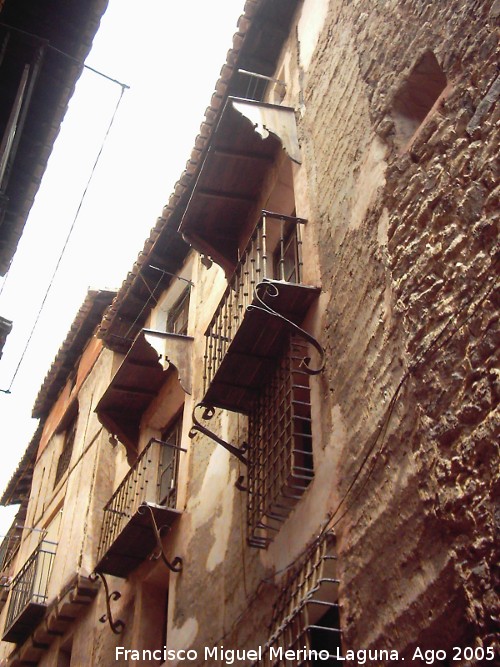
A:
{"x":170,"y":54}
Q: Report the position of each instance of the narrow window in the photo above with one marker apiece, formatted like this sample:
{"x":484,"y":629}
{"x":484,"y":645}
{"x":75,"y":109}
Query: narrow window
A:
{"x":286,"y":255}
{"x":416,"y":97}
{"x":67,"y":450}
{"x":170,"y":463}
{"x":177,"y":321}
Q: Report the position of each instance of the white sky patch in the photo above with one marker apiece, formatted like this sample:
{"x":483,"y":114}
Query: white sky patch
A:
{"x":171,"y":55}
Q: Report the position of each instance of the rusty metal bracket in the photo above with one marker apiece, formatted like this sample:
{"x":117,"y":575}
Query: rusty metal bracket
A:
{"x":271,"y":290}
{"x":116,"y":626}
{"x":176,"y":564}
{"x":208,"y":413}
{"x":240,"y":484}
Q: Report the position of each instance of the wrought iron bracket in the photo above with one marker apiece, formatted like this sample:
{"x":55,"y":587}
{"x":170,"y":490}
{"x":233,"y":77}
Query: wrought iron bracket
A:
{"x":240,"y":484}
{"x":116,"y":626}
{"x":176,"y":564}
{"x":208,"y":413}
{"x":271,"y":290}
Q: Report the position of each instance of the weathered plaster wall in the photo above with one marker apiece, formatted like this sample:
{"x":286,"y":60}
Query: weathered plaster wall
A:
{"x":72,"y":509}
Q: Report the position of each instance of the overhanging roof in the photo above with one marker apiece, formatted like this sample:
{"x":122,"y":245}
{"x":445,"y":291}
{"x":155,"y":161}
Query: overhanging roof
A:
{"x":54,"y":38}
{"x":261,"y":32}
{"x":18,"y":489}
{"x":5,"y":329}
{"x":138,"y":380}
{"x":245,"y":144}
{"x":88,"y":317}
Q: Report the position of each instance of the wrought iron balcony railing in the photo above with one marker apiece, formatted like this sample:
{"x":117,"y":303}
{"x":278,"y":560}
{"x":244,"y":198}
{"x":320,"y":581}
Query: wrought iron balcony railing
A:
{"x":126,"y":536}
{"x":28,"y":593}
{"x":267,"y":281}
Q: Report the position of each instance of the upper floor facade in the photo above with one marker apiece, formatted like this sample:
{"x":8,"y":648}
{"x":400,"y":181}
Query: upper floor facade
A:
{"x":266,"y":402}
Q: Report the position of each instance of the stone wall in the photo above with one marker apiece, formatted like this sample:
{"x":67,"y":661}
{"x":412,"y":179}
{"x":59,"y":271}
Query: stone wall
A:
{"x":407,"y":239}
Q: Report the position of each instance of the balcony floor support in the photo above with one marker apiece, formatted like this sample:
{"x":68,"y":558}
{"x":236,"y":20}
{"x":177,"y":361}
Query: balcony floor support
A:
{"x":176,"y":564}
{"x":208,"y":413}
{"x":116,"y":626}
{"x":270,"y":289}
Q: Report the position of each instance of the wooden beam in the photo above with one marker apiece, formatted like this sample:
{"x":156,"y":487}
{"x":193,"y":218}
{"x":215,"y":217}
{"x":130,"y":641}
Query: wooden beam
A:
{"x":215,"y":194}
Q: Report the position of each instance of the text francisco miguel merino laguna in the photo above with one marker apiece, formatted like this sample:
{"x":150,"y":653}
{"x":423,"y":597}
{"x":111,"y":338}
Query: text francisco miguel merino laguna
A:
{"x":236,"y":656}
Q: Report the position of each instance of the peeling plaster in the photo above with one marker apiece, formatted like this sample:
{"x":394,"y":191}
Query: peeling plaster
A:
{"x":215,"y":480}
{"x":371,"y":177}
{"x":222,"y":527}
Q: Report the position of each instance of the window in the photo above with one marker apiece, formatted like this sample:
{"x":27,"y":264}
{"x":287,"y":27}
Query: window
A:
{"x":170,"y":463}
{"x":286,"y":255}
{"x":177,"y":320}
{"x":416,"y":97}
{"x":67,"y":450}
{"x":280,"y":459}
{"x":306,"y":614}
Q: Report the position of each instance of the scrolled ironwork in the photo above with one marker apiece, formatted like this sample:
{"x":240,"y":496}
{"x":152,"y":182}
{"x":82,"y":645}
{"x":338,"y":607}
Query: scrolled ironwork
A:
{"x":271,"y":289}
{"x":240,"y":484}
{"x":116,"y":626}
{"x":176,"y":564}
{"x":208,"y":413}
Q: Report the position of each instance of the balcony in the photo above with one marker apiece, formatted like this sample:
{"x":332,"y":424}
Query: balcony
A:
{"x":127,"y":534}
{"x":28,"y":594}
{"x":263,"y":300}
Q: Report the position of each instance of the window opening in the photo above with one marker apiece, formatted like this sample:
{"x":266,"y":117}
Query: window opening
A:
{"x":286,"y":255}
{"x":177,"y":320}
{"x":169,"y":463}
{"x":67,"y":451}
{"x":280,"y":457}
{"x":416,"y":97}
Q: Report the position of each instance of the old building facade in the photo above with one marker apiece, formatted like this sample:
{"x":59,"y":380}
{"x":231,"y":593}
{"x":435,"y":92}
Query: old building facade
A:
{"x":289,"y":425}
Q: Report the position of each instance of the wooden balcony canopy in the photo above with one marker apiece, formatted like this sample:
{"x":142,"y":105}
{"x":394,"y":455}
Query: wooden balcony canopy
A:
{"x":246,"y":142}
{"x":153,"y":355}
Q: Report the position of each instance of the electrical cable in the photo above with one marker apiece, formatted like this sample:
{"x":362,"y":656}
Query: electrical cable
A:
{"x":63,"y":250}
{"x":77,"y":61}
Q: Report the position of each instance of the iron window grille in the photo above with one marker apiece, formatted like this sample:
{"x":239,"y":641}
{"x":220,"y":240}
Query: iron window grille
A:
{"x":30,"y":585}
{"x":280,"y":457}
{"x":274,"y":251}
{"x":306,"y":614}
